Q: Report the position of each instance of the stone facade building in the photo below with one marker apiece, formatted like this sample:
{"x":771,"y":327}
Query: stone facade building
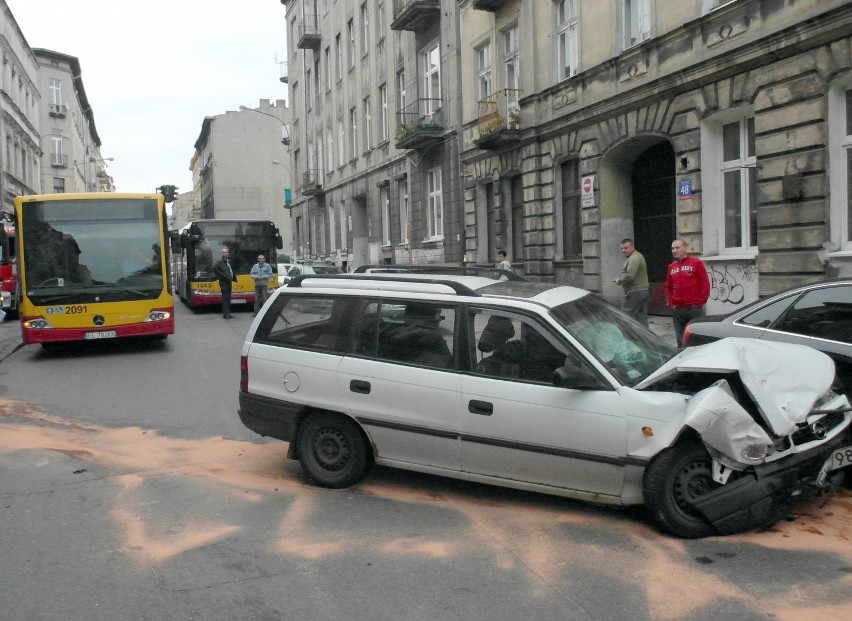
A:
{"x":563,"y":126}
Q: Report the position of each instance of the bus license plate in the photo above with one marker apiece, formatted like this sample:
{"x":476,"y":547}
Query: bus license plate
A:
{"x":839,"y":458}
{"x":104,"y":334}
{"x":239,"y":301}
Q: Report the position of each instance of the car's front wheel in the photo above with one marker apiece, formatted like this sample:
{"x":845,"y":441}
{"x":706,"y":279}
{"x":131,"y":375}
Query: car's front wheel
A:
{"x":332,"y":450}
{"x":672,"y":482}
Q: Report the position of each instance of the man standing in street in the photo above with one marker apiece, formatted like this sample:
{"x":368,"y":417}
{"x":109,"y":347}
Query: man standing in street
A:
{"x":261,"y":272}
{"x":687,"y":288}
{"x":224,"y":271}
{"x":634,"y":279}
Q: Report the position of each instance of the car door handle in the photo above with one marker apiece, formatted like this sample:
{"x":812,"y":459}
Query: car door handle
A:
{"x":483,"y":408}
{"x":360,"y":386}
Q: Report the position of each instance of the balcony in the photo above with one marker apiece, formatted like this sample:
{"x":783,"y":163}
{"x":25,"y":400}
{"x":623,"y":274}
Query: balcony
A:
{"x":58,"y":110}
{"x":489,"y":5}
{"x":285,"y":76}
{"x":419,"y":125}
{"x":312,"y":182}
{"x":499,"y":120}
{"x":415,"y":15}
{"x":309,"y":34}
{"x":59,"y":160}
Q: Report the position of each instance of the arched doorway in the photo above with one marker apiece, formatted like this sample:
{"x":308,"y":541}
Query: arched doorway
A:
{"x":654,"y":216}
{"x":637,"y":200}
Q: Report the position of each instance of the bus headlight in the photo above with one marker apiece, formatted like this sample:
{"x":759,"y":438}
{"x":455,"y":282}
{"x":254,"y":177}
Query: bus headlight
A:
{"x":158,"y":315}
{"x":36,"y":323}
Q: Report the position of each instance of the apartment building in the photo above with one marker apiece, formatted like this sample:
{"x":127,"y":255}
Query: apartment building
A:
{"x":20,"y":101}
{"x":240,"y":167}
{"x":71,"y":148}
{"x":725,"y":122}
{"x":376,"y":93}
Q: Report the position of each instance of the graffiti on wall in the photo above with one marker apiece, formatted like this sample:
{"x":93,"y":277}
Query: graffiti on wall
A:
{"x":733,"y":284}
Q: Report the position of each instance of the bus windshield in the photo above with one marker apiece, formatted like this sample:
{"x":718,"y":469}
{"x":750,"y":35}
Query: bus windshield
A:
{"x":244,"y":240}
{"x":80,"y":251}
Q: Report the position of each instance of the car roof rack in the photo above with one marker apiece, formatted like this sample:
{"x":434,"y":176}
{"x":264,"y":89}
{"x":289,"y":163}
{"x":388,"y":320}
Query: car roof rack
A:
{"x":457,"y":287}
{"x":436,"y":268}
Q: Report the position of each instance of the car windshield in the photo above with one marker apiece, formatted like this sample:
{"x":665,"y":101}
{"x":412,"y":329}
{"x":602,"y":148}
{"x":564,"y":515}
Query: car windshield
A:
{"x":629,"y":350}
{"x":326,"y":269}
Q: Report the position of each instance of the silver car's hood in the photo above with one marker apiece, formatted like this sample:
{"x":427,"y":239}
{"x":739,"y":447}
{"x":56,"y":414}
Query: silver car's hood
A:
{"x":784,"y":380}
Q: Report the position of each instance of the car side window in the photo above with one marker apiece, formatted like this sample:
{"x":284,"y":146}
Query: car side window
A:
{"x":765,"y":316}
{"x":409,"y":331}
{"x":513,"y":347}
{"x":823,"y":313}
{"x":313,"y":322}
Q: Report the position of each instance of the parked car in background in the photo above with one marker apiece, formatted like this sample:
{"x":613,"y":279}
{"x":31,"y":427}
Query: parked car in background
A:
{"x":283,"y":268}
{"x":540,"y":387}
{"x":309,"y":267}
{"x":818,"y":315}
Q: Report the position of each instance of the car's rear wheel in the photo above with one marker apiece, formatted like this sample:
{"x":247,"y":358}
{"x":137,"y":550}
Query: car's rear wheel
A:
{"x":332,"y":450}
{"x":672,"y":482}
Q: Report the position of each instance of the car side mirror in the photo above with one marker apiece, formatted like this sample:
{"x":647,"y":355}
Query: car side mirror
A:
{"x":576,"y":378}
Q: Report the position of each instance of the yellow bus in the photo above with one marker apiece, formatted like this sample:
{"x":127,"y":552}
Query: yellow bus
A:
{"x":198,"y":246}
{"x":93,"y":266}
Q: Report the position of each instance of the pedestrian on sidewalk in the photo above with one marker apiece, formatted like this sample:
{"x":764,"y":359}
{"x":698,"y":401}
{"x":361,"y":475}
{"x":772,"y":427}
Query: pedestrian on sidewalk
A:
{"x":261,"y":272}
{"x":687,"y":288}
{"x":634,"y":280}
{"x":502,"y":261}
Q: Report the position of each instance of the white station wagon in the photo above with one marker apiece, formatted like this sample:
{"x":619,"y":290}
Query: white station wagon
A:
{"x":540,"y":387}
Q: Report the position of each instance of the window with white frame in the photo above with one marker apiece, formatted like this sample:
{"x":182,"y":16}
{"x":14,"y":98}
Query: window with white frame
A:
{"x":383,"y":113}
{"x":401,"y":90}
{"x":482,"y":59}
{"x":380,"y":19}
{"x":511,"y":69}
{"x":353,"y":132}
{"x":329,"y":150}
{"x":55,"y":91}
{"x":402,"y":189}
{"x":320,"y":151}
{"x":365,"y":29}
{"x":637,"y":21}
{"x":327,"y":69}
{"x":308,"y":95}
{"x":368,"y":125}
{"x":430,"y":62}
{"x":384,"y":203}
{"x":840,"y":165}
{"x":739,"y":184}
{"x":435,"y":215}
{"x":58,"y":156}
{"x":350,"y":30}
{"x":566,"y":22}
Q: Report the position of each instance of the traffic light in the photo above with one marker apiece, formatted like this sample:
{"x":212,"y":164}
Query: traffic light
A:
{"x":169,"y":191}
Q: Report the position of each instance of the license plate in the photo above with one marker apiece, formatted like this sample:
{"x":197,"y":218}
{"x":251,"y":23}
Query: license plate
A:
{"x":104,"y":334}
{"x":239,"y":301}
{"x":839,"y":458}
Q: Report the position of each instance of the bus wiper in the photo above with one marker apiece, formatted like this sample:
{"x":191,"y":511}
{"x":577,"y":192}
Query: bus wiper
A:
{"x":53,"y":298}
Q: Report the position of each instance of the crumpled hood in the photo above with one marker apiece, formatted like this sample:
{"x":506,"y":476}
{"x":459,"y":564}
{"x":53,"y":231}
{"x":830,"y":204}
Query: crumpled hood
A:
{"x":784,"y":380}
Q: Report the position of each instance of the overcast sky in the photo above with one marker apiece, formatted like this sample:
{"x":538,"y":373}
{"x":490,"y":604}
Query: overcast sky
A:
{"x":153,"y":70}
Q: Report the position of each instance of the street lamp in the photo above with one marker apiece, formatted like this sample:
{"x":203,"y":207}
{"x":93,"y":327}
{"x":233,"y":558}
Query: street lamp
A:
{"x":285,"y":131}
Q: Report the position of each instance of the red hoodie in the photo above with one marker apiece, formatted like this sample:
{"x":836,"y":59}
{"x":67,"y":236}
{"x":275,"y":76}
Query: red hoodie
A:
{"x":687,"y":283}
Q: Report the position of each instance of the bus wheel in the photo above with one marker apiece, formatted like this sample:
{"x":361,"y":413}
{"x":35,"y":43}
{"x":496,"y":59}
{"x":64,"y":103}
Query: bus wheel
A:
{"x":332,"y":450}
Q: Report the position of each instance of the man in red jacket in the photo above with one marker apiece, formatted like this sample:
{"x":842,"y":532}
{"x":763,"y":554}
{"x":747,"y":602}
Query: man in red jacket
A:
{"x":687,"y":288}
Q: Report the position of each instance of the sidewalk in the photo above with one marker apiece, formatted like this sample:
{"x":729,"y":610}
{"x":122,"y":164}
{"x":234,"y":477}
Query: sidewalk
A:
{"x":662,"y":326}
{"x":10,"y":337}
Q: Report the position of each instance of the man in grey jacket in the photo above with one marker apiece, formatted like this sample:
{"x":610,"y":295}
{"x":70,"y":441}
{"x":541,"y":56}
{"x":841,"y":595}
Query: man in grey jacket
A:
{"x":260,"y":273}
{"x":634,"y":279}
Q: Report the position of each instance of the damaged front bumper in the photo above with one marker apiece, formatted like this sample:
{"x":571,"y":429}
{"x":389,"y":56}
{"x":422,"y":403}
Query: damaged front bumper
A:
{"x":765,"y":493}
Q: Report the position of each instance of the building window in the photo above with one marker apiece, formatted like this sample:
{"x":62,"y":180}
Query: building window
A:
{"x":637,"y":21}
{"x":338,"y":63}
{"x":431,"y":65}
{"x":483,"y":71}
{"x":400,"y":90}
{"x":327,"y":69}
{"x":308,"y":95}
{"x":511,"y":69}
{"x":383,"y":118}
{"x":55,"y":92}
{"x":384,"y":203}
{"x":365,"y":29}
{"x":403,"y":211}
{"x":572,"y":223}
{"x":566,"y":20}
{"x":350,"y":29}
{"x":380,"y":19}
{"x":368,"y":125}
{"x":739,"y":184}
{"x":840,"y":166}
{"x":353,"y":132}
{"x":435,"y":215}
{"x":341,"y":143}
{"x":329,"y":151}
{"x":332,"y":235}
{"x":58,"y":185}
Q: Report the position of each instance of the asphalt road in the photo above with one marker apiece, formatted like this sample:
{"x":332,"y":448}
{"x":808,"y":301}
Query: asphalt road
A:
{"x":130,"y":490}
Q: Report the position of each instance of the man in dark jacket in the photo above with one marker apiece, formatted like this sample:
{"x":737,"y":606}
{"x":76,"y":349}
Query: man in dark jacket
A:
{"x":224,"y":271}
{"x":687,"y":288}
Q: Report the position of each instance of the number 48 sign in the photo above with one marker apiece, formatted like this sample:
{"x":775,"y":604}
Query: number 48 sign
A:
{"x":684,"y":189}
